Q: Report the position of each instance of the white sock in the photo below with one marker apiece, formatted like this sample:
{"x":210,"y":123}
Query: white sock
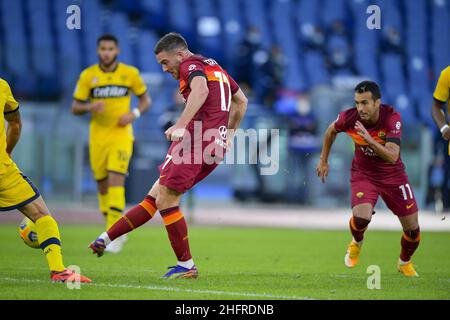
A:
{"x":402,"y":262}
{"x":105,"y":238}
{"x":187,"y":264}
{"x":360,"y":242}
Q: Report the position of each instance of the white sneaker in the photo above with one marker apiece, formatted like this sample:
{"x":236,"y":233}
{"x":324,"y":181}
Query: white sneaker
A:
{"x":117,"y":245}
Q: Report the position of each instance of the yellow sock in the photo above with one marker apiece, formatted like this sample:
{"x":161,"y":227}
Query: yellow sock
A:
{"x":49,"y":241}
{"x":103,"y":203}
{"x":116,"y":200}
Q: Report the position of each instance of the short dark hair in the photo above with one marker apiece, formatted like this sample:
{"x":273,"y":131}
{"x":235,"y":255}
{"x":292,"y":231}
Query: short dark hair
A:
{"x":107,"y":37}
{"x":169,"y":42}
{"x":369,"y":86}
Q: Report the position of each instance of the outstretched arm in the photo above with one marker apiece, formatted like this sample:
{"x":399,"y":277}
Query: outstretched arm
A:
{"x":13,"y":131}
{"x":328,"y":140}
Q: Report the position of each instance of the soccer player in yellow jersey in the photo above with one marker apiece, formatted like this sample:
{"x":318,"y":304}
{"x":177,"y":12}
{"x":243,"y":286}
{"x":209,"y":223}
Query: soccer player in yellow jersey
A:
{"x":18,"y":192}
{"x":440,"y":98}
{"x":104,"y":90}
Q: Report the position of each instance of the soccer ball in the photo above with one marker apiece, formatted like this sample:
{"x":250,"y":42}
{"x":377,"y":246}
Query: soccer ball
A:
{"x":27,"y":231}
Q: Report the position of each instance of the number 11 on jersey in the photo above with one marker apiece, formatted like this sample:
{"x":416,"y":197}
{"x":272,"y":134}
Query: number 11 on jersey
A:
{"x":223,"y":78}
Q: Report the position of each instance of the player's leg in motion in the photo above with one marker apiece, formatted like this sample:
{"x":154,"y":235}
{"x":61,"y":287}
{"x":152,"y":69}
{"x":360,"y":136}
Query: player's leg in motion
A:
{"x":134,"y":218}
{"x":102,"y":195}
{"x":116,"y":205}
{"x":362,"y":214}
{"x":168,"y":201}
{"x":409,"y":243}
{"x":50,"y":241}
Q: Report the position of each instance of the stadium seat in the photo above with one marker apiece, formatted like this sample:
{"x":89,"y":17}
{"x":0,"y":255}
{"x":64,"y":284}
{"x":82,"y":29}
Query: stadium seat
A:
{"x":332,"y":11}
{"x":440,"y":41}
{"x":15,"y":42}
{"x":315,"y":68}
{"x":42,"y":48}
{"x":390,"y":13}
{"x":119,"y":26}
{"x":69,"y":54}
{"x":16,"y":53}
{"x":132,"y":7}
{"x":255,"y":13}
{"x":92,"y":29}
{"x":155,"y":15}
{"x":146,"y":60}
{"x":233,"y":28}
{"x":181,"y":18}
{"x":393,"y":76}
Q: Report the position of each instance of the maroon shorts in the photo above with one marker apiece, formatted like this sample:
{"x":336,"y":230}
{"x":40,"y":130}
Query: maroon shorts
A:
{"x":397,"y":193}
{"x":183,"y":175}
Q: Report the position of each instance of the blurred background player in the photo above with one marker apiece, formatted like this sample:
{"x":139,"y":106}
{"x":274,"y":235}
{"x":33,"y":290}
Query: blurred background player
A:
{"x":377,"y":170}
{"x":18,"y":192}
{"x":213,"y":99}
{"x":440,"y":99}
{"x":104,"y":90}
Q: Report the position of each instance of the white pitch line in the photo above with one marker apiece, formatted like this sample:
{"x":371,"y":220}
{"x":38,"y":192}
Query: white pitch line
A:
{"x":170,"y":289}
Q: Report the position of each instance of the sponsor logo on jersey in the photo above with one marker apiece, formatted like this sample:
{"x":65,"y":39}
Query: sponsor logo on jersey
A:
{"x":368,"y":151}
{"x":211,"y":62}
{"x":360,"y":194}
{"x":398,"y":125}
{"x":382,"y":134}
{"x":109,"y":92}
{"x":223,"y":132}
{"x":192,"y":67}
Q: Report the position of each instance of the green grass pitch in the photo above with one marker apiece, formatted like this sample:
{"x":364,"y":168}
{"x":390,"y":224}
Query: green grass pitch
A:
{"x":234,"y":263}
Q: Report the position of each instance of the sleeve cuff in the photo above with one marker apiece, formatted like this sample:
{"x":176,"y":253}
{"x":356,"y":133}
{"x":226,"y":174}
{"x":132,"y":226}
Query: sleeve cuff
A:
{"x":11,"y":111}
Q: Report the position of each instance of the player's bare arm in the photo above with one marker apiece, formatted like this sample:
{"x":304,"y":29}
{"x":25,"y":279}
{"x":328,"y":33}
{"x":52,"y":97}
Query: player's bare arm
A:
{"x":13,"y":131}
{"x":390,"y":152}
{"x":79,"y":107}
{"x":328,"y":140}
{"x":237,"y":111}
{"x":144,"y":104}
{"x":437,"y":111}
{"x":197,"y":97}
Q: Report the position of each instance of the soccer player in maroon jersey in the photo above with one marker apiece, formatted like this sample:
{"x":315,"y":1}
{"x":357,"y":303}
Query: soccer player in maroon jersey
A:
{"x":215,"y":106}
{"x":377,"y":170}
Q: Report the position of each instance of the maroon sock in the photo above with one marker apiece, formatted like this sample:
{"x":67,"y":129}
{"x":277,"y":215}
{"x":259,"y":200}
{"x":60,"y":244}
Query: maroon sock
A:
{"x":410,"y":241}
{"x":135,"y":217}
{"x":178,"y":232}
{"x":358,"y":226}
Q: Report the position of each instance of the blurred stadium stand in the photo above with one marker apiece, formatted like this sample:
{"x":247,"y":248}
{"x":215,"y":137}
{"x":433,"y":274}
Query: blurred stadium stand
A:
{"x":326,"y":46}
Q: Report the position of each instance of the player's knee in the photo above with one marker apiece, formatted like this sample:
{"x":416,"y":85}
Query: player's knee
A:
{"x":36,"y":215}
{"x":360,"y":223}
{"x":161,"y":202}
{"x":164,"y":201}
{"x":413,"y":234}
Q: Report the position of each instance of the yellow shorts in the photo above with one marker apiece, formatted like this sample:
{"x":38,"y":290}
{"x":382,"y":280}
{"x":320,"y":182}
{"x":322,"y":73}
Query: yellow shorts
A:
{"x":16,"y":190}
{"x":111,"y":157}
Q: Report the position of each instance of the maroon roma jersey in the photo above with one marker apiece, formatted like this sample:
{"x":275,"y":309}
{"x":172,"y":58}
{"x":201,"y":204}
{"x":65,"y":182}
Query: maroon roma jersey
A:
{"x":216,"y":109}
{"x":387,"y":129}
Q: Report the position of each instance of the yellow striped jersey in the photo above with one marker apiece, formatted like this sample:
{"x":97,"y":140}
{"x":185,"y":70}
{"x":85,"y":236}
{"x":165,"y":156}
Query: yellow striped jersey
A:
{"x":114,"y":89}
